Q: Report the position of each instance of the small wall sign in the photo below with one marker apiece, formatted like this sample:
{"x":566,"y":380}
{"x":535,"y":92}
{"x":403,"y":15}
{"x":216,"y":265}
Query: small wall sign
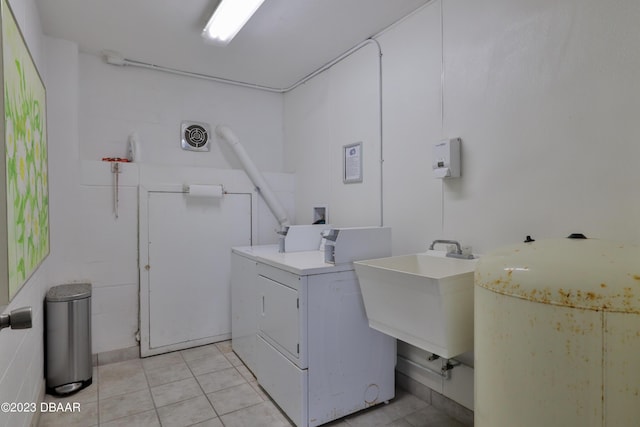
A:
{"x":352,"y":163}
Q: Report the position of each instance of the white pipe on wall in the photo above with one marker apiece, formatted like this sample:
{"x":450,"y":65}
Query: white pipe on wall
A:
{"x":115,"y":58}
{"x":227,"y":135}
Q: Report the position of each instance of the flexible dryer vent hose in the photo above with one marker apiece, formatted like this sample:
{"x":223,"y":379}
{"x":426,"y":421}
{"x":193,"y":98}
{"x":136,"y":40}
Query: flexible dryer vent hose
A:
{"x":227,"y":135}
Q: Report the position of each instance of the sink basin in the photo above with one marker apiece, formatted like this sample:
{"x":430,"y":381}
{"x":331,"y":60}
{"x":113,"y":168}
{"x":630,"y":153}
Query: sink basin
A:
{"x":423,"y":299}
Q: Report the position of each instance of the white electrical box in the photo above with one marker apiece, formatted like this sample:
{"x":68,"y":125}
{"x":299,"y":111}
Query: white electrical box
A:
{"x":446,"y":158}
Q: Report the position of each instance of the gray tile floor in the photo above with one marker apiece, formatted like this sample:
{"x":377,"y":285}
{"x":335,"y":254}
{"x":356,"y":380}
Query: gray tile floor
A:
{"x":207,"y":386}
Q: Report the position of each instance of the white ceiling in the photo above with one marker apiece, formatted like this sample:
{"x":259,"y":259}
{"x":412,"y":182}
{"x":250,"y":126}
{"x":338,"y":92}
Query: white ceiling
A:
{"x":283,"y":42}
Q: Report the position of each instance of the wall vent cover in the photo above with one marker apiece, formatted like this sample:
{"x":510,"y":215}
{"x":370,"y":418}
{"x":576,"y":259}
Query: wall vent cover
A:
{"x":195,"y":136}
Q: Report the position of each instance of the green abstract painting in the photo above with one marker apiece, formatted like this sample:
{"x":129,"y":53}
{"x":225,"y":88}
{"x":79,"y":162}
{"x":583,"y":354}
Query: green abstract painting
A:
{"x":25,"y":142}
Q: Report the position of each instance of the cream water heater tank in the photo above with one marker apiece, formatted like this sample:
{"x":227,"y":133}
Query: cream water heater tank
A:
{"x":557,"y":334}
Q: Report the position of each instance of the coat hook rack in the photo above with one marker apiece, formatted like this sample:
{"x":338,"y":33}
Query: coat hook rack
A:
{"x":116,"y":170}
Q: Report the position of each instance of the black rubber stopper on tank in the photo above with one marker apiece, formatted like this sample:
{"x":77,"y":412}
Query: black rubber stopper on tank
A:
{"x":577,"y":236}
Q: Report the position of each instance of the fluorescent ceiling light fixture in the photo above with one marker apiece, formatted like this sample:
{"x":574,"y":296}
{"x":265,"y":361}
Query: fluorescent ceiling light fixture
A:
{"x":229,"y":17}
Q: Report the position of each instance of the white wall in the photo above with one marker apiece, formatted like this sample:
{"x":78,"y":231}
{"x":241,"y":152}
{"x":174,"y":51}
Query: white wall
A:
{"x":92,"y":108}
{"x":326,"y":113}
{"x":412,"y":93}
{"x":21,"y":351}
{"x":544,"y":96}
{"x":113,"y":102}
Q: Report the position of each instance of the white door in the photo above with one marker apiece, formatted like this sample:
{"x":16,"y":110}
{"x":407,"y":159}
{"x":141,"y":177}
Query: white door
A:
{"x":189,"y":243}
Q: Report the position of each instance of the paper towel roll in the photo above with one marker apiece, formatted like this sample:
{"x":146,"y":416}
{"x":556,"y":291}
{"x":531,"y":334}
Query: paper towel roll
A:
{"x":213,"y":191}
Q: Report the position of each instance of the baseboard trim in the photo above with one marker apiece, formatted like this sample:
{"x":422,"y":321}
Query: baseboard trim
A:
{"x":119,"y":355}
{"x":443,"y":403}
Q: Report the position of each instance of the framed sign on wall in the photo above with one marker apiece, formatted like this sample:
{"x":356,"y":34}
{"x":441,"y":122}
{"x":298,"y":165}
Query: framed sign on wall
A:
{"x":352,"y":163}
{"x":24,"y":187}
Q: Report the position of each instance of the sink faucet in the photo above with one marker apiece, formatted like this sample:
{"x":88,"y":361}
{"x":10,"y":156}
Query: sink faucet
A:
{"x":446,"y":242}
{"x":457,"y":254}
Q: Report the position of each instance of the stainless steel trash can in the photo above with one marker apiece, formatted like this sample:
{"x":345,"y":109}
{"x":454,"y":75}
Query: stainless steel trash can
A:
{"x":68,"y":362}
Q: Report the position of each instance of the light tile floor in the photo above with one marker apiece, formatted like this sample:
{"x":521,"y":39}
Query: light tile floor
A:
{"x":207,"y":386}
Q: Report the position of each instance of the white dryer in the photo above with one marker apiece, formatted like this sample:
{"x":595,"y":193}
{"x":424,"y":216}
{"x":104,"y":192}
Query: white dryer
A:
{"x":313,"y":352}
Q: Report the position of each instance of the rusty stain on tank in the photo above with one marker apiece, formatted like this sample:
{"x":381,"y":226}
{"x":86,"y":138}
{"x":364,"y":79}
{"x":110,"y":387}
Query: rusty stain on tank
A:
{"x":606,"y":300}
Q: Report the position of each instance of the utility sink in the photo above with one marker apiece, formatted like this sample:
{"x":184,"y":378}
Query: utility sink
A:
{"x":423,"y":299}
